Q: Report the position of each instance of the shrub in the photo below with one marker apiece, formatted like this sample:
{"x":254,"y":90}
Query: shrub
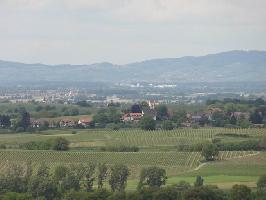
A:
{"x":20,"y":129}
{"x":60,"y":144}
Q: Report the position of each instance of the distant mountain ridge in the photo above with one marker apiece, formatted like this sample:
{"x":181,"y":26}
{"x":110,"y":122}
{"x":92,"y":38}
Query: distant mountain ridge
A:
{"x":233,"y":66}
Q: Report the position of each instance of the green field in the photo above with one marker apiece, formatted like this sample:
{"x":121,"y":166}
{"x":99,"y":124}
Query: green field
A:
{"x":156,"y":148}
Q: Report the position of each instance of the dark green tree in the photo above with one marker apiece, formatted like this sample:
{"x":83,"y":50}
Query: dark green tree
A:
{"x":60,"y":144}
{"x":162,"y":112}
{"x":89,"y":176}
{"x":209,"y":152}
{"x":168,"y":125}
{"x":256,"y":118}
{"x":261,"y":184}
{"x":5,"y":121}
{"x":204,"y":193}
{"x":179,"y":117}
{"x":199,"y":181}
{"x":147,"y":123}
{"x":24,"y":119}
{"x":153,"y":177}
{"x":167,"y":193}
{"x":118,"y":179}
{"x":240,"y":192}
{"x":102,"y":174}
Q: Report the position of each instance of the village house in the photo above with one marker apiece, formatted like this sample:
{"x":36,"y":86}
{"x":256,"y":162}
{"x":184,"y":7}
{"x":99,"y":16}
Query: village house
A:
{"x":130,"y":117}
{"x":85,"y":122}
{"x":67,"y":122}
{"x":239,"y":115}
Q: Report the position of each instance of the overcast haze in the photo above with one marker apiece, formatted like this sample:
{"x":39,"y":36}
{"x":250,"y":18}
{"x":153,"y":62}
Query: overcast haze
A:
{"x":123,"y":31}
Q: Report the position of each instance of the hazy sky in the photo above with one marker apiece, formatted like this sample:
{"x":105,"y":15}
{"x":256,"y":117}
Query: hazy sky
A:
{"x":122,"y":31}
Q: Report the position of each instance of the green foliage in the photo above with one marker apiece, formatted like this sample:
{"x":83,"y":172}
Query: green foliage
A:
{"x":121,"y":148}
{"x":168,"y":193}
{"x":37,"y":145}
{"x":218,"y":119}
{"x":204,"y":193}
{"x":5,"y":121}
{"x":179,"y":117}
{"x":102,"y":174}
{"x":240,"y":192}
{"x":60,"y":144}
{"x":256,"y":118}
{"x":209,"y":152}
{"x":24,"y":119}
{"x":153,"y":177}
{"x":261,"y":184}
{"x":118,"y":179}
{"x":147,"y":123}
{"x":167,"y":125}
{"x":17,"y":196}
{"x":199,"y":181}
{"x":162,"y":112}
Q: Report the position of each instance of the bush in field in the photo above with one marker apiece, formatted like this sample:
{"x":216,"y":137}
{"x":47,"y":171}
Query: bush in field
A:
{"x":168,"y":125}
{"x":60,"y":144}
{"x":209,"y":152}
{"x":153,"y":177}
{"x":204,"y":193}
{"x":199,"y":181}
{"x":261,"y":184}
{"x":240,"y":192}
{"x":113,"y":126}
{"x":147,"y":123}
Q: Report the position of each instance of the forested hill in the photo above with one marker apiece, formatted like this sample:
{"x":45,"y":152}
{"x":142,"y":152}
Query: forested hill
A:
{"x":221,"y":67}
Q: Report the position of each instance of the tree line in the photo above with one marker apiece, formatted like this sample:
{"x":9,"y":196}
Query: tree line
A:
{"x":76,"y":182}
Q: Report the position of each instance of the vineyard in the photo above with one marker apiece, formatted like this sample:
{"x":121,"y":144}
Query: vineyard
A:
{"x":174,"y":162}
{"x":135,"y":137}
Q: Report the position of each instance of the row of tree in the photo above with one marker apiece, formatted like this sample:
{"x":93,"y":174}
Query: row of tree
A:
{"x":76,"y":182}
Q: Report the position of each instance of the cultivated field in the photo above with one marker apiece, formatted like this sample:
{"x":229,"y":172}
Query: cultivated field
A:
{"x":156,"y":148}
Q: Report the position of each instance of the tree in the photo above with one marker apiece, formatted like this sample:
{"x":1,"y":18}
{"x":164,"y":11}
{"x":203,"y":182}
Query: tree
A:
{"x":240,"y":192}
{"x":168,"y":193}
{"x":261,"y":184}
{"x":168,"y":125}
{"x":182,"y":185}
{"x":179,"y":117}
{"x":199,"y":181}
{"x":256,"y":118}
{"x":89,"y":176}
{"x":209,"y":152}
{"x":154,"y":177}
{"x":118,"y":179}
{"x":60,"y":144}
{"x":162,"y":112}
{"x":204,"y":193}
{"x":42,"y":184}
{"x":24,"y":119}
{"x":5,"y":121}
{"x":102,"y":174}
{"x":60,"y":173}
{"x":218,"y":119}
{"x":147,"y":123}
{"x":233,"y":120}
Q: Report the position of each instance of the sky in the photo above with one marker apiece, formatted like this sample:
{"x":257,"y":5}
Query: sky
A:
{"x":124,"y":31}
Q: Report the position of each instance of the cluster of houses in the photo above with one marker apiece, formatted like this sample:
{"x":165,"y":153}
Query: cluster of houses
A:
{"x":196,"y":118}
{"x":137,"y":112}
{"x":62,"y":123}
{"x":135,"y":115}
